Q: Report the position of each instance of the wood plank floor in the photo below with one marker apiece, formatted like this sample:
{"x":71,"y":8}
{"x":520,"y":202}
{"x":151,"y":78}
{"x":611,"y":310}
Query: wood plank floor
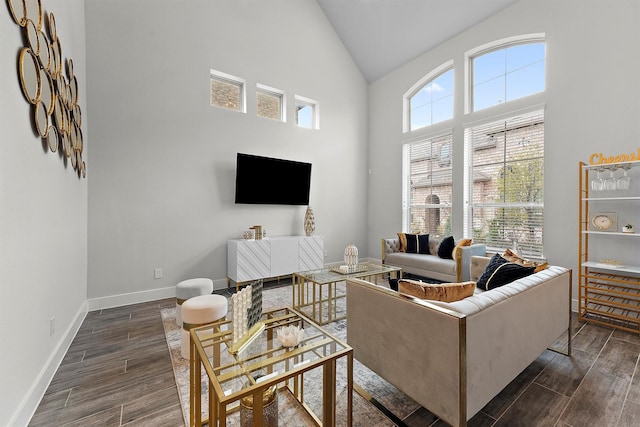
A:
{"x":118,"y":372}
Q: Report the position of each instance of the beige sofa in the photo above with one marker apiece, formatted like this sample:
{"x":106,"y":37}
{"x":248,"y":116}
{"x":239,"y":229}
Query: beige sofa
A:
{"x":431,"y":266}
{"x":453,"y":358}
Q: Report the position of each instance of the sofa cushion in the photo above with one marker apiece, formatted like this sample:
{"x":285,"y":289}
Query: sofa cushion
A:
{"x":446,"y":292}
{"x":512,"y":257}
{"x":422,"y":262}
{"x":458,"y":247}
{"x":500,"y":271}
{"x":445,"y":249}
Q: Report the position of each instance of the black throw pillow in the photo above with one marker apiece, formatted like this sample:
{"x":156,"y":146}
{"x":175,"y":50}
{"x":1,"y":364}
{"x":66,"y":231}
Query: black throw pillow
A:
{"x":445,"y":249}
{"x":412,"y":243}
{"x":417,"y":243}
{"x":423,"y":244}
{"x":499,"y":272}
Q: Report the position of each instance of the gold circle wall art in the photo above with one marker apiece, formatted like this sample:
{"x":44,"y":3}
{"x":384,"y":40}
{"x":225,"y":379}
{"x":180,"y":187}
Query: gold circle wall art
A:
{"x":49,"y":83}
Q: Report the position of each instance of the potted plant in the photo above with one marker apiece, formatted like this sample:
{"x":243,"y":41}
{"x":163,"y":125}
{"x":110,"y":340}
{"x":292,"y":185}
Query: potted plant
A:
{"x":628,"y":228}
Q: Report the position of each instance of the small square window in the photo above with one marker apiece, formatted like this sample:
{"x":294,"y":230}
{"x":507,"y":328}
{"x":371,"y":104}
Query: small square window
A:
{"x":307,"y":113}
{"x":227,"y":91}
{"x":270,"y":103}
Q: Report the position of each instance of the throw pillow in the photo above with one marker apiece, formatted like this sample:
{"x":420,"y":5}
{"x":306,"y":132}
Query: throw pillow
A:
{"x":433,"y":246}
{"x":412,"y":243}
{"x":445,"y":292}
{"x":458,"y":248}
{"x":403,"y":242}
{"x":500,"y":271}
{"x":446,"y":248}
{"x":423,"y":244}
{"x":512,"y":257}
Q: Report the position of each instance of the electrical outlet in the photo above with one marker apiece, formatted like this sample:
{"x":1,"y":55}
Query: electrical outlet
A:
{"x":157,"y":273}
{"x":52,"y":326}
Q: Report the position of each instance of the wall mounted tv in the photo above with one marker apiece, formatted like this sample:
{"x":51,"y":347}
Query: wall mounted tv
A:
{"x":270,"y":181}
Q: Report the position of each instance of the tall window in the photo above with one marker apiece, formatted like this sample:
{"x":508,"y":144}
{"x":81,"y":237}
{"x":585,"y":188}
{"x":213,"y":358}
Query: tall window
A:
{"x":270,"y":103}
{"x":227,"y":91}
{"x":505,"y":182}
{"x":507,"y":73}
{"x":427,"y":183}
{"x":430,"y":102}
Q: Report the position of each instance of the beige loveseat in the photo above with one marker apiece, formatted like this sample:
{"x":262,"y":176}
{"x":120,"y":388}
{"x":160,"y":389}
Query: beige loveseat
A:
{"x":431,"y":265}
{"x":453,"y":358}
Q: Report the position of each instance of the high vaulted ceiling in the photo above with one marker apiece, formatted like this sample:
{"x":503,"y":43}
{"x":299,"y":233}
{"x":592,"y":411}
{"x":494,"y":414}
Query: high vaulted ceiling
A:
{"x":382,"y":35}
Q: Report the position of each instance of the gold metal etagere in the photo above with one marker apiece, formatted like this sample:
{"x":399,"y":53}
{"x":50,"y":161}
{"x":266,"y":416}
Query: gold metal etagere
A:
{"x":609,"y":290}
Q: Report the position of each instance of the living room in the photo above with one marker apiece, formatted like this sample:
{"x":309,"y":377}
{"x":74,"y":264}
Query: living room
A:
{"x":161,"y":161}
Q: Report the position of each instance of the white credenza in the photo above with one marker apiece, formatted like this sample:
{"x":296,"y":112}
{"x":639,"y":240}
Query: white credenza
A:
{"x":273,"y":257}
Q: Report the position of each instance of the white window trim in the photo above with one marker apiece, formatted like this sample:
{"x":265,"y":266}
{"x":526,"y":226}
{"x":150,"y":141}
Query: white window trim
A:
{"x":486,"y":48}
{"x":315,"y":117}
{"x":406,"y":98}
{"x":215,"y":74}
{"x":275,"y":92}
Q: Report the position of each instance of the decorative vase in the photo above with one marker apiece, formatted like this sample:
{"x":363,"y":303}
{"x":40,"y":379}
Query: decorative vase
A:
{"x":628,"y":229}
{"x":309,"y":222}
{"x":351,"y":255}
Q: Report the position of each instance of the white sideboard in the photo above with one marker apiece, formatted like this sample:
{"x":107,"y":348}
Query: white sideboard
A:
{"x":273,"y":257}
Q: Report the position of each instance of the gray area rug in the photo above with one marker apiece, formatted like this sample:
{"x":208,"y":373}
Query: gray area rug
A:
{"x":364,"y":413}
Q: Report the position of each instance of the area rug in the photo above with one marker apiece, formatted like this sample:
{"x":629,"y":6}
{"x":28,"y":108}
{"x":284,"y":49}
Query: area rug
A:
{"x":364,"y":412}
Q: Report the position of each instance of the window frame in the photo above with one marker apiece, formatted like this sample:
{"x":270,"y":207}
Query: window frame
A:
{"x":315,"y":111}
{"x":230,"y":79}
{"x":469,"y":177}
{"x":435,"y":159}
{"x":267,"y":90}
{"x":413,"y":90}
{"x":488,"y":48}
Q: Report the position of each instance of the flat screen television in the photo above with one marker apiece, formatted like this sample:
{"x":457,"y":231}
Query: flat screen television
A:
{"x":270,"y":181}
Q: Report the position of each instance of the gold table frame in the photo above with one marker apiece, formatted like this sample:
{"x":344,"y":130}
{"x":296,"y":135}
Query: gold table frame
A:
{"x":317,"y":344}
{"x":307,"y":288}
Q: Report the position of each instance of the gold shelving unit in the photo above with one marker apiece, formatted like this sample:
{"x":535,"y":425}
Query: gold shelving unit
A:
{"x":609,"y":290}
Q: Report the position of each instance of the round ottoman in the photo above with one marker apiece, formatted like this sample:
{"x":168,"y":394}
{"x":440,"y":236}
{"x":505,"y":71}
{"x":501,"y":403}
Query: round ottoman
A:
{"x":189,"y":289}
{"x":198,"y":311}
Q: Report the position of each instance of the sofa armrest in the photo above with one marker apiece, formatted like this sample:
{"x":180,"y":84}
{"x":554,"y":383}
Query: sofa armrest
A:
{"x":463,"y":263}
{"x":478,"y":265}
{"x":390,"y":246}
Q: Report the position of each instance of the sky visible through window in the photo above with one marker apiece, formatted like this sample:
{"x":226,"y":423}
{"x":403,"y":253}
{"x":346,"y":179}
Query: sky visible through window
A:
{"x":433,"y":103}
{"x":509,"y":73}
{"x":499,"y":76}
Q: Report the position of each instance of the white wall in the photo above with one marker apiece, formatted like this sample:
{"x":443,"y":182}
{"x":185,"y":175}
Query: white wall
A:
{"x":163,"y":160}
{"x":592,"y":105}
{"x":43,"y":229}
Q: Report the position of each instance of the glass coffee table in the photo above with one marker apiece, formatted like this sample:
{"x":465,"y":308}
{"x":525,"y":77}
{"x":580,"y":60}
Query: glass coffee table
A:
{"x":320,"y":293}
{"x":264,"y":366}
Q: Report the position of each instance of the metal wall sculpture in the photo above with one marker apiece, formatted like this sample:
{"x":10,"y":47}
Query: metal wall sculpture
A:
{"x":52,"y":91}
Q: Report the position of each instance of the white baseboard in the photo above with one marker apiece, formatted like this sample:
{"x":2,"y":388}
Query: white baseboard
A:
{"x":119,"y":300}
{"x":30,"y":403}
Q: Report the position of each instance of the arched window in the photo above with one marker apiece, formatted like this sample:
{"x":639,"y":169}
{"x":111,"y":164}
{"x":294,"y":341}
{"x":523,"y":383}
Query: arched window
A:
{"x":430,"y":100}
{"x":505,"y":71}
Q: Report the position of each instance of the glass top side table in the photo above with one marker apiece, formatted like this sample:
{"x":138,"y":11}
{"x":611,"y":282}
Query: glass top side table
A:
{"x":264,"y":363}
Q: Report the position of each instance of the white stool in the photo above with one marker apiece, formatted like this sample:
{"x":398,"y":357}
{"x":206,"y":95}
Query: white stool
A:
{"x":189,"y":289}
{"x":198,"y":311}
